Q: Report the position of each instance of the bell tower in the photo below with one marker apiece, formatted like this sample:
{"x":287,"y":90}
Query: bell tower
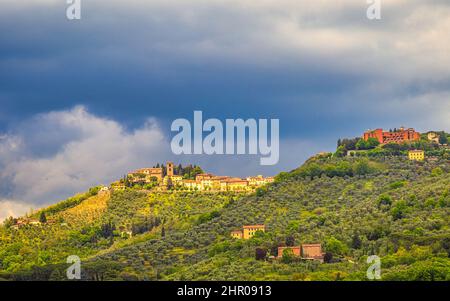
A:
{"x":169,"y":169}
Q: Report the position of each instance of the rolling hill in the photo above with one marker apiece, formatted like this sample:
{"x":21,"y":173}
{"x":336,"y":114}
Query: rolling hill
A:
{"x":354,"y":206}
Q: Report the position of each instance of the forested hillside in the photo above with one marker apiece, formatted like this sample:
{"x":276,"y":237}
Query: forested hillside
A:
{"x":355,"y":207}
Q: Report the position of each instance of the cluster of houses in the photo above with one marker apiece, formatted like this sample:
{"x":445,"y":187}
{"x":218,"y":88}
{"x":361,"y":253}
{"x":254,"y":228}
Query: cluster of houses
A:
{"x":205,"y":182}
{"x":202,"y":182}
{"x":303,"y":251}
{"x":21,"y":222}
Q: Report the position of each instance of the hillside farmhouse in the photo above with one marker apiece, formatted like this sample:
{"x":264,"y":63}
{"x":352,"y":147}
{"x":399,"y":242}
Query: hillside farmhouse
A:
{"x":305,"y":251}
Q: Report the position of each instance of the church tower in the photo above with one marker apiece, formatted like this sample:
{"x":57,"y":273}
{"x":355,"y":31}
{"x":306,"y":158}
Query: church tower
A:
{"x":169,"y":169}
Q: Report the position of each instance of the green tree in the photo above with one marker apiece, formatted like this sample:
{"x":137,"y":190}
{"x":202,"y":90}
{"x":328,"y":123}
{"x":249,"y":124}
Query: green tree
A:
{"x":400,"y":209}
{"x":443,"y":139}
{"x":335,"y":246}
{"x":288,"y":256}
{"x":260,"y":254}
{"x":363,"y":168}
{"x":328,"y":257}
{"x":290,"y":241}
{"x":367,"y":144}
{"x":340,"y":151}
{"x":437,"y":172}
{"x":356,"y":241}
{"x":42,"y":217}
{"x":384,"y":200}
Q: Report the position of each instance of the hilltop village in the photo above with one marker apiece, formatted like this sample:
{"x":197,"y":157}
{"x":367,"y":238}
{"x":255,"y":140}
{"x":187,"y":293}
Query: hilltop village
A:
{"x":169,"y":177}
{"x":402,"y":141}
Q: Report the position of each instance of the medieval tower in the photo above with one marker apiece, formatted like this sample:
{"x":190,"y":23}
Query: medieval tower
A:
{"x":169,"y":169}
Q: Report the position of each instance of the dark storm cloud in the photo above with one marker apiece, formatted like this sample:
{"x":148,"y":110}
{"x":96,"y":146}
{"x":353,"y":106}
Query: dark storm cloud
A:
{"x":124,"y":60}
{"x":321,"y":67}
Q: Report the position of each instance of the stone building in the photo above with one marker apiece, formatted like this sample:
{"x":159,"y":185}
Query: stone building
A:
{"x":234,"y":184}
{"x":169,"y":169}
{"x":146,"y":175}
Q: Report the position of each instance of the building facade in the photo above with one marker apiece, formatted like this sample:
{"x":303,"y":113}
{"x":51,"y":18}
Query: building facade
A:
{"x":259,"y":180}
{"x":204,"y":176}
{"x":297,"y":251}
{"x":169,"y":169}
{"x":305,"y":251}
{"x":416,"y":155}
{"x":236,"y":234}
{"x":312,"y":251}
{"x":146,"y":175}
{"x":398,"y":136}
{"x":234,"y":184}
{"x":247,"y":231}
{"x":432,"y":136}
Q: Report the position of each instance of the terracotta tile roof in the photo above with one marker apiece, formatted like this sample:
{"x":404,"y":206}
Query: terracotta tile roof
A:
{"x":189,"y":181}
{"x":234,"y":180}
{"x":254,"y":226}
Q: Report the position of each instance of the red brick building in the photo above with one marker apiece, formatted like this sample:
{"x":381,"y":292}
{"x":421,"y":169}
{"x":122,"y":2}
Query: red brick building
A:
{"x":305,"y":251}
{"x":398,"y":136}
{"x":297,"y":251}
{"x":312,"y":251}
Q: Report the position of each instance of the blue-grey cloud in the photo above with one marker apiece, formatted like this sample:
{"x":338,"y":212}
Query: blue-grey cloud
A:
{"x":295,"y":59}
{"x":54,"y":155}
{"x":87,"y":150}
{"x":321,"y":67}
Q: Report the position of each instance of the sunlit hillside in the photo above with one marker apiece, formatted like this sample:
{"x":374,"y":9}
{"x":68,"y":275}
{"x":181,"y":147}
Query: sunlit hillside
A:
{"x":353,"y":207}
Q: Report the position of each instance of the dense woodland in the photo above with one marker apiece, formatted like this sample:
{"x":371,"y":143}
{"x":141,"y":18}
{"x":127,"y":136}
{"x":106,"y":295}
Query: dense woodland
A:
{"x":354,"y":206}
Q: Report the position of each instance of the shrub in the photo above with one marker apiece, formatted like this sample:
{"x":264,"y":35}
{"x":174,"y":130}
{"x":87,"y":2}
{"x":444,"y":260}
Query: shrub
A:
{"x":384,"y":200}
{"x":437,"y":172}
{"x":335,"y":246}
{"x":288,"y":256}
{"x":260,"y":254}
